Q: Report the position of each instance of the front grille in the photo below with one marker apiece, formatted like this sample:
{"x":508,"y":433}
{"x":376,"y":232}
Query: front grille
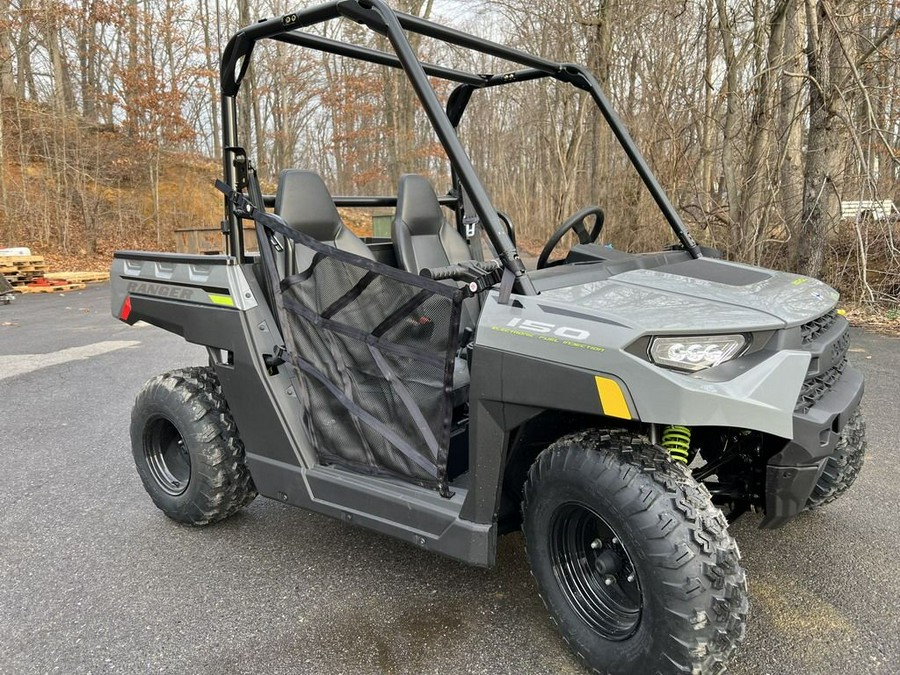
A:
{"x":815,"y":388}
{"x":826,"y":348}
{"x":810,"y":331}
{"x":839,"y":348}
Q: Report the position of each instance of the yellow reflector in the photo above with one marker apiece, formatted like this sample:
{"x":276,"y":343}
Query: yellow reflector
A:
{"x":842,"y":312}
{"x":612,"y":399}
{"x":224,"y":300}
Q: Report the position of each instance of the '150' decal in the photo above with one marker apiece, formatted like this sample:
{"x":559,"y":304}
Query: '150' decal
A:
{"x":548,"y":332}
{"x":549,"y":329}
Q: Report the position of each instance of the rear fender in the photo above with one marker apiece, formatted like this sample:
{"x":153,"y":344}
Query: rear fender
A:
{"x":191,"y":296}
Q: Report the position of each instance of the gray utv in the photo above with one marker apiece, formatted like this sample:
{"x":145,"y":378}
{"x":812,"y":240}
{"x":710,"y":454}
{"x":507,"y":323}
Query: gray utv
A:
{"x":616,"y":407}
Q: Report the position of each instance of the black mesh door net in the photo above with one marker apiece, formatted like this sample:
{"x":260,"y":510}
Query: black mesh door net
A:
{"x":374,"y":348}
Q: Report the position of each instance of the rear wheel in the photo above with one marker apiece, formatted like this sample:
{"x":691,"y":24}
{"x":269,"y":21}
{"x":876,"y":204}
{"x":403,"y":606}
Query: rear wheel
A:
{"x":632,"y":560}
{"x":843,"y":467}
{"x":187,"y":450}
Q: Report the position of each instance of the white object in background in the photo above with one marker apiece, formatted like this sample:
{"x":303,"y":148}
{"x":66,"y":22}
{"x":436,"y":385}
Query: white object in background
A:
{"x":875,"y":209}
{"x":22,"y":251}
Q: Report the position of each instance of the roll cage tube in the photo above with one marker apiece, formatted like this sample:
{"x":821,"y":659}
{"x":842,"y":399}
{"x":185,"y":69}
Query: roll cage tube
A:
{"x":582,"y":78}
{"x":386,"y":18}
{"x":380,"y":18}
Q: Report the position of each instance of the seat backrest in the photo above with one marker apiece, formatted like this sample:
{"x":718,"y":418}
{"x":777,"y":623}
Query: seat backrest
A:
{"x":422,"y":237}
{"x":305,"y":204}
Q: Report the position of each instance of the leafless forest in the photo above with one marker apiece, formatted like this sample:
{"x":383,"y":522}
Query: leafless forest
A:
{"x":760,"y":117}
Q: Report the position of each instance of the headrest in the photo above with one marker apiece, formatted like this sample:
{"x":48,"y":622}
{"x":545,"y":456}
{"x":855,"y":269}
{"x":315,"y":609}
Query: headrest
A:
{"x":417,"y":205}
{"x":305,"y":204}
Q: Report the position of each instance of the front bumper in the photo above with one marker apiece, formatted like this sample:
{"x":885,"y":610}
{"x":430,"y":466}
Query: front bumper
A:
{"x":792,"y":473}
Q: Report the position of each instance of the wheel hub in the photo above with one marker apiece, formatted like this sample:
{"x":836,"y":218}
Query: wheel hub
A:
{"x":167,"y":456}
{"x":608,"y":562}
{"x":595,"y":572}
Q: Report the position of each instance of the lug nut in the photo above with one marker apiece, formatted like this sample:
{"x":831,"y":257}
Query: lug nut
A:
{"x":615,"y":540}
{"x":630,"y":578}
{"x":608,"y":581}
{"x":597,"y":543}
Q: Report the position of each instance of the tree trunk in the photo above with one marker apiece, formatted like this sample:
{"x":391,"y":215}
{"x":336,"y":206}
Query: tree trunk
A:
{"x":401,"y":104}
{"x":731,"y":126}
{"x":132,"y":114}
{"x":7,"y":83}
{"x":706,"y":135}
{"x":757,"y":179}
{"x":824,"y":155}
{"x":209,"y":50}
{"x":245,"y":98}
{"x":7,"y":90}
{"x":598,"y":61}
{"x":62,"y":84}
{"x":25,"y":81}
{"x":259,"y":126}
{"x":87,"y":59}
{"x":790,"y":128}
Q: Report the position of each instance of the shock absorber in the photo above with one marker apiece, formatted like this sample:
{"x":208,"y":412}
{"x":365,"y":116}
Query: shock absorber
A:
{"x":677,"y":441}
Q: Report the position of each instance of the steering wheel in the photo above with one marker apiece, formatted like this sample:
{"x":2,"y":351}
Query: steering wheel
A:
{"x":575,"y":224}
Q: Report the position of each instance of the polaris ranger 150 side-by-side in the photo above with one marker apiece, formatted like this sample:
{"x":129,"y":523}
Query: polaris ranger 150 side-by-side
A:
{"x":616,"y":407}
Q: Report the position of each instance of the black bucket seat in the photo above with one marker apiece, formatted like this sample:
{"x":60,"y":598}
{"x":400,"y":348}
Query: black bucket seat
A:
{"x":423,"y":238}
{"x":306,"y":205}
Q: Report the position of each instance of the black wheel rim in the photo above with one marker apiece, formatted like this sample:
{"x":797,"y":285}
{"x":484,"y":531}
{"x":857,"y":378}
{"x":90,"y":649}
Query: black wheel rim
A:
{"x":167,"y":456}
{"x":595,"y":572}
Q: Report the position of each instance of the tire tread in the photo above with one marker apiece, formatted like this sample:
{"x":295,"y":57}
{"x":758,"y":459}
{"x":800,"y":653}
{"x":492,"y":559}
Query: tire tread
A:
{"x":703,"y":638}
{"x":843,"y":467}
{"x":225,"y":482}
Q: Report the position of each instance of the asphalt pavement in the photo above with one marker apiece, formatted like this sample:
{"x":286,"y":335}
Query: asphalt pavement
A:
{"x":93,"y":579}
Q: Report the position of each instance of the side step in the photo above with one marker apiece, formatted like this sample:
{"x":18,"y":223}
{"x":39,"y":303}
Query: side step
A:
{"x":413,"y":514}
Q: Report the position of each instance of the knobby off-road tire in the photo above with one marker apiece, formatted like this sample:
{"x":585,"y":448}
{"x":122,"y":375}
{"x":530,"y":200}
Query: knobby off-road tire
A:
{"x":844,"y":465}
{"x":664,"y":591}
{"x":187,"y":449}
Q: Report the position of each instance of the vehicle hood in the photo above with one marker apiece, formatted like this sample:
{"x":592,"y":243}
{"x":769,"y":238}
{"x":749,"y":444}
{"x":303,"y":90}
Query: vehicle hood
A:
{"x":705,"y":294}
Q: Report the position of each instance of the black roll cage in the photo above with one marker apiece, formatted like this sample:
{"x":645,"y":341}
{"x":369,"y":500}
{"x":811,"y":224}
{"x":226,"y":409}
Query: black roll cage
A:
{"x":380,"y":18}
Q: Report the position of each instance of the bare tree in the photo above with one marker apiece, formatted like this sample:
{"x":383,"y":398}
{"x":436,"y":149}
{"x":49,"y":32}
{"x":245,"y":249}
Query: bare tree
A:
{"x":760,"y":116}
{"x":821,"y":189}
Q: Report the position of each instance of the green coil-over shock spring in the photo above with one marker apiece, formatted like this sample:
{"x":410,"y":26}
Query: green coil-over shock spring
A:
{"x":677,"y":442}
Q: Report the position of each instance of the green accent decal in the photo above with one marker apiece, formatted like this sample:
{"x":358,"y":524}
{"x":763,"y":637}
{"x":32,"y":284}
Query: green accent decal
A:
{"x":223,"y":300}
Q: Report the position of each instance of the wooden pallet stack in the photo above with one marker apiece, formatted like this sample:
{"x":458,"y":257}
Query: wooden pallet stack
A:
{"x":22,"y":270}
{"x":28,"y":274}
{"x":76,"y":277}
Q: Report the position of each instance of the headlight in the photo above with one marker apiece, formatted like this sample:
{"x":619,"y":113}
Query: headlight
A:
{"x":696,"y":353}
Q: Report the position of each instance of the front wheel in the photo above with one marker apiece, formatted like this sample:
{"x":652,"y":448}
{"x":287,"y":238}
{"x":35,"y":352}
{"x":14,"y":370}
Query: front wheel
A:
{"x":187,"y":450}
{"x":844,"y":465}
{"x":632,"y":559}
